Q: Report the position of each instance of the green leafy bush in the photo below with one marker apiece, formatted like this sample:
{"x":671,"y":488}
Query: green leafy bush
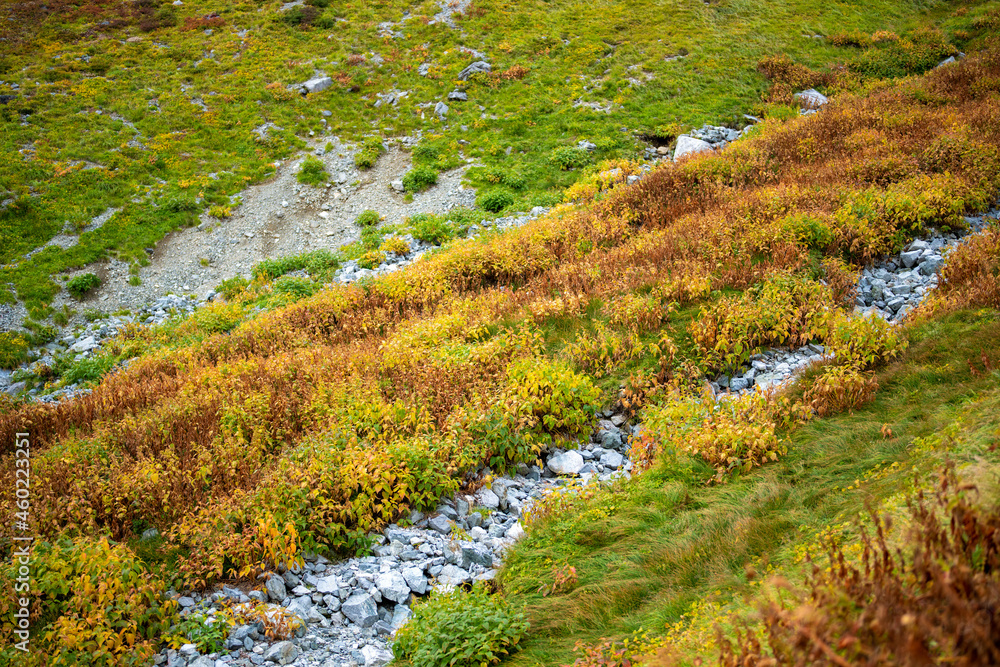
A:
{"x":431,"y":228}
{"x":297,"y":288}
{"x":913,"y":54}
{"x":208,"y":634}
{"x":368,"y":218}
{"x":318,"y":263}
{"x":419,"y":179}
{"x":312,"y":172}
{"x":864,"y":341}
{"x":86,"y":369}
{"x":80,"y":285}
{"x":219,"y":317}
{"x":567,"y":158}
{"x":495,"y":200}
{"x":460,"y":629}
{"x":368,"y":155}
{"x":93,"y":602}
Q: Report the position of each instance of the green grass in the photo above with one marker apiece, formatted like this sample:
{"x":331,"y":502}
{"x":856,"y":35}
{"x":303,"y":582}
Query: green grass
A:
{"x":62,"y":163}
{"x":665,"y":545}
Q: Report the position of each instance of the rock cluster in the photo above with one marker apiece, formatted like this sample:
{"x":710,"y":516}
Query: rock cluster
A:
{"x":87,"y":341}
{"x":894,"y":287}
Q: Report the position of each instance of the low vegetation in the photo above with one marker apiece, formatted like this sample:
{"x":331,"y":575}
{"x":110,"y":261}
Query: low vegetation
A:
{"x":295,"y":419}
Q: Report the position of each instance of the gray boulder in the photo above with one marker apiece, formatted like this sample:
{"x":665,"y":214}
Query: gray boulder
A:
{"x":567,"y":463}
{"x":688,"y":145}
{"x":283,"y":653}
{"x":478,"y":66}
{"x":910,"y":258}
{"x":328,"y":584}
{"x":441,"y":109}
{"x":441,"y":524}
{"x":276,"y":589}
{"x":810,"y":99}
{"x":361,"y":609}
{"x":317,"y":84}
{"x":393,"y":586}
{"x":375,"y":656}
{"x":453,"y":576}
{"x":931,"y":265}
{"x":612,"y":459}
{"x":457,"y":96}
{"x":415,"y":580}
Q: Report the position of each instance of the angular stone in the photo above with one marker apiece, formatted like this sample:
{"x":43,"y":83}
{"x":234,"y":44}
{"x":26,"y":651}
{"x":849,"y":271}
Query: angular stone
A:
{"x":318,"y":84}
{"x":910,"y":258}
{"x":415,"y":579}
{"x":738,"y":384}
{"x":811,"y":99}
{"x":328,"y":584}
{"x":453,"y":576}
{"x":400,"y":615}
{"x":283,"y":653}
{"x":931,"y":265}
{"x":487,"y":498}
{"x":567,"y":463}
{"x":457,"y":96}
{"x":478,"y":66}
{"x":276,"y":589}
{"x":441,"y":109}
{"x":476,"y":553}
{"x":393,"y":586}
{"x":361,"y":609}
{"x":612,"y":459}
{"x":375,"y":656}
{"x":611,"y":439}
{"x":688,"y":145}
{"x":441,"y":524}
{"x":515,"y":532}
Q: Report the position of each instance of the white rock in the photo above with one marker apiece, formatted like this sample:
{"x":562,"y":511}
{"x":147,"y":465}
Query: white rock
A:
{"x":567,"y":463}
{"x":688,"y":145}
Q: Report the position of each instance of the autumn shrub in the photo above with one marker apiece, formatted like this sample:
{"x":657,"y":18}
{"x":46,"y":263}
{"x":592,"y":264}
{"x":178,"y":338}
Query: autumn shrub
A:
{"x":914,"y":53}
{"x":218,"y":317}
{"x":371,"y":260}
{"x":460,"y":629}
{"x":864,"y":341}
{"x":395,"y":245}
{"x":232,"y":287}
{"x":92,"y":602}
{"x":812,"y":231}
{"x":637,"y":313}
{"x":736,"y":434}
{"x":783,"y":310}
{"x":839,"y":389}
{"x":932,"y":601}
{"x":560,"y":400}
{"x":603,"y":351}
{"x":970,"y":277}
{"x":841,"y":278}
